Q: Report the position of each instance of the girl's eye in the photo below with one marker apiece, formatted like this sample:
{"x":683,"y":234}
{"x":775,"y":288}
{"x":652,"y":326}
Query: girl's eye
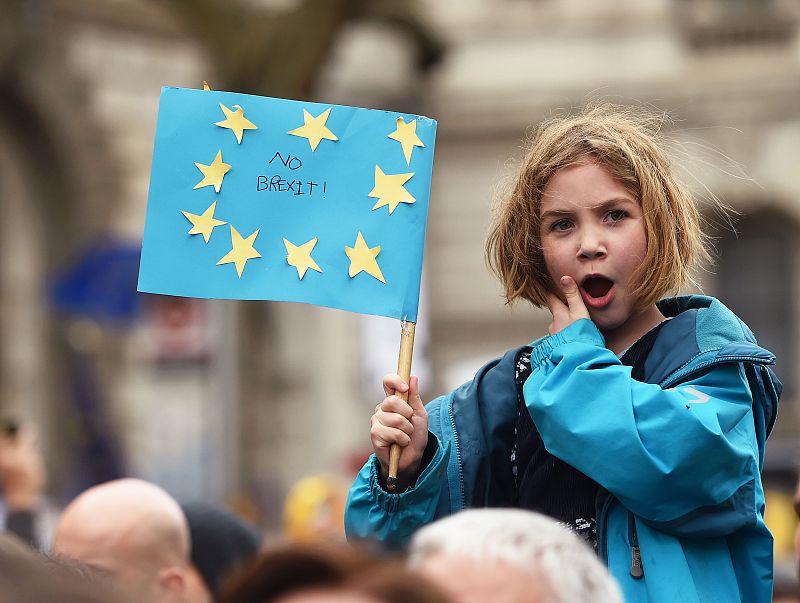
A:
{"x":561,"y":225}
{"x":615,"y":215}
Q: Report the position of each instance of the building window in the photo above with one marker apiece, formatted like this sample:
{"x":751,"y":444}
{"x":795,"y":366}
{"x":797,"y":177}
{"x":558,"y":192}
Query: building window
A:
{"x":756,"y":279}
{"x":709,"y":25}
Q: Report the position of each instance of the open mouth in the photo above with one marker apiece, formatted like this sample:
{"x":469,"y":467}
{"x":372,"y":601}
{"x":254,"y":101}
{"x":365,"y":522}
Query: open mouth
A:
{"x":597,"y":286}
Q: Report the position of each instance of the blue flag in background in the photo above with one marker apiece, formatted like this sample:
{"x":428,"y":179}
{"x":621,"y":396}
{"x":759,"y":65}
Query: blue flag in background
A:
{"x":264,"y":198}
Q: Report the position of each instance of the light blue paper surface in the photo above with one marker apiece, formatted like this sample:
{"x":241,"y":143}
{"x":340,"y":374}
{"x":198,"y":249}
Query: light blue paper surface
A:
{"x":335,"y":210}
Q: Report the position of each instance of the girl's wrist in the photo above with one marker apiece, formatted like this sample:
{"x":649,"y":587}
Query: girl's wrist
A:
{"x":406,"y":478}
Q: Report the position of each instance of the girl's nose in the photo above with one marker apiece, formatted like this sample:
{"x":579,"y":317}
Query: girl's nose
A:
{"x":591,"y":247}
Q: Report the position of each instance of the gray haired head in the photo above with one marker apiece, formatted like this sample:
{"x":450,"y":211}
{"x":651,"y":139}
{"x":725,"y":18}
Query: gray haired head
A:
{"x":524,"y":540}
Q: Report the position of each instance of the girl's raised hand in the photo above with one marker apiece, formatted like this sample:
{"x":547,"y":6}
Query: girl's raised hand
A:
{"x":565,"y":314}
{"x":398,"y":422}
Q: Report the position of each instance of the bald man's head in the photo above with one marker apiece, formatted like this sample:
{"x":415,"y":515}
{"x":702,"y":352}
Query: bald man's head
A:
{"x":133,"y":530}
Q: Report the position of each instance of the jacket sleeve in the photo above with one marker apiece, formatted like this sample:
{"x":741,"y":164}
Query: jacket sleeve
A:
{"x":665,"y":454}
{"x":372,"y":513}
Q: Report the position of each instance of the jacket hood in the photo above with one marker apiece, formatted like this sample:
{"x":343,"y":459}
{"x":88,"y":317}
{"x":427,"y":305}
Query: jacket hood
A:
{"x":701,"y":330}
{"x":715,"y":325}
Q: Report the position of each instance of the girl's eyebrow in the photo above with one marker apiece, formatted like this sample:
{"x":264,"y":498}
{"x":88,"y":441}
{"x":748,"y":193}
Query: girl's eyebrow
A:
{"x":615,"y":201}
{"x":555,"y":213}
{"x":602,"y":206}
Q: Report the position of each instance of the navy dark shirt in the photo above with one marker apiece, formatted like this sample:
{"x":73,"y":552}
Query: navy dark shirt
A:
{"x":545,"y":483}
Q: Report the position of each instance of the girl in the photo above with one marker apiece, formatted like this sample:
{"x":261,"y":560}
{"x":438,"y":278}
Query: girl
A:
{"x":639,"y":421}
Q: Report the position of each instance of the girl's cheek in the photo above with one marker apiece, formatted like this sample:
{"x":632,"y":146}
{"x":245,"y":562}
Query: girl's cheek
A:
{"x":548,"y":262}
{"x":551,"y":261}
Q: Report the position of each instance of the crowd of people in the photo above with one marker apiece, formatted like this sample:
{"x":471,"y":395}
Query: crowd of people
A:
{"x":618,"y":457}
{"x":130,"y":540}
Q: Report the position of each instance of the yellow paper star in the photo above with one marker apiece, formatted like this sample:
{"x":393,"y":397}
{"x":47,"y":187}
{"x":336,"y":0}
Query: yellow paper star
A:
{"x":362,"y":259}
{"x":299,"y":256}
{"x":205,"y":223}
{"x":206,"y":86}
{"x":314,"y":128}
{"x":389,"y":189}
{"x":406,"y":135}
{"x":235,"y":121}
{"x":213,"y":174}
{"x":242,"y":251}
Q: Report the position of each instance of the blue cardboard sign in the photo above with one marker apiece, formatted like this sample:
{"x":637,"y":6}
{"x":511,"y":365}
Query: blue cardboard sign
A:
{"x":265,"y":198}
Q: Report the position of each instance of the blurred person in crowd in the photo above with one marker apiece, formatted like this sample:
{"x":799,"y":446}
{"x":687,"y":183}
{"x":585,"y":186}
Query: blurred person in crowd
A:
{"x":22,"y":481}
{"x":134,"y":531}
{"x":17,"y":561}
{"x":328,"y":573}
{"x":221,"y":543}
{"x":787,"y":579}
{"x":314,"y":509}
{"x":510,"y":555}
{"x":796,"y":502}
{"x":27,"y":575}
{"x":787,"y":587}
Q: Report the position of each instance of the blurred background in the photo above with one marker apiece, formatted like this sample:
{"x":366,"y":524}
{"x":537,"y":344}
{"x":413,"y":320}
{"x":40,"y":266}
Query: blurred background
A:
{"x":248,"y":403}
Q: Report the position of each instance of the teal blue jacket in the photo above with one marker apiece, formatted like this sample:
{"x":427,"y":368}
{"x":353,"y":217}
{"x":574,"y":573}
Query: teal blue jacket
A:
{"x":680,"y":515}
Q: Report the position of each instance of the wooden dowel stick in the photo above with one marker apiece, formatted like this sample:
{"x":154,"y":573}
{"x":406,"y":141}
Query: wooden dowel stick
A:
{"x":404,"y":370}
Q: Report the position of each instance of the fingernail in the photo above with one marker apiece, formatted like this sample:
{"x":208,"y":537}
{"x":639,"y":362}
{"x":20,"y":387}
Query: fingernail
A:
{"x":564,"y":281}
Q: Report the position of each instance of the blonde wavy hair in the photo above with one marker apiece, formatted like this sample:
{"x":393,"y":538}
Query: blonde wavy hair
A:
{"x":630,"y":145}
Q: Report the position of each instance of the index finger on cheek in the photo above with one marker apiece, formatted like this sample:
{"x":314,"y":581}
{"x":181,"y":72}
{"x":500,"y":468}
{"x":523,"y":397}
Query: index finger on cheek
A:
{"x":577,"y":307}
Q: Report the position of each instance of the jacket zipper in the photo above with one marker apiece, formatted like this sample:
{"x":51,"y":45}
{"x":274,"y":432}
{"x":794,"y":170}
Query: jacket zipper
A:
{"x":604,"y":498}
{"x":677,"y":377}
{"x":637,"y":571}
{"x":458,"y":455}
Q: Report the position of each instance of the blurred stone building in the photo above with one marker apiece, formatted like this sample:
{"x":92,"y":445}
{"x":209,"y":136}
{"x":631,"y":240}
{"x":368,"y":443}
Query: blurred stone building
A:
{"x":227,"y":399}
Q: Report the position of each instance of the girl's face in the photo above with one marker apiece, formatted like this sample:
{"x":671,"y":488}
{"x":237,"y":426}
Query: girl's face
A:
{"x":592,"y":229}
